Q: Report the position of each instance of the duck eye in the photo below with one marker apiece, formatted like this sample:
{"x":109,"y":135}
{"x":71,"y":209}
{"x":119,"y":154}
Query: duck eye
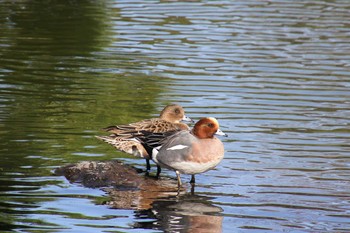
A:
{"x":177,"y":111}
{"x":210,"y":125}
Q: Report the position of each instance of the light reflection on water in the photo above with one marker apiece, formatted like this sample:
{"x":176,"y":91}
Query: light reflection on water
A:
{"x":275,"y":74}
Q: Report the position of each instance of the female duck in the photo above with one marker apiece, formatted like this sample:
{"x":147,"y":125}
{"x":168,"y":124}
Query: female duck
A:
{"x":123,"y":135}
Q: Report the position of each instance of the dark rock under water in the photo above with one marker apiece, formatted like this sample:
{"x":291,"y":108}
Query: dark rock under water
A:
{"x":127,"y":187}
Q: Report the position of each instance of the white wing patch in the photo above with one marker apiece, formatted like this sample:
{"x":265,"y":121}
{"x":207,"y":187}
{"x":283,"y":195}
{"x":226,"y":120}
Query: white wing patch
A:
{"x":177,"y":147}
{"x":155,"y":152}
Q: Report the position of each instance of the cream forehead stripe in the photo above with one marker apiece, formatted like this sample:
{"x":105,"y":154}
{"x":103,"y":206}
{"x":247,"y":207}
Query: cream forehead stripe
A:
{"x":214,"y":120}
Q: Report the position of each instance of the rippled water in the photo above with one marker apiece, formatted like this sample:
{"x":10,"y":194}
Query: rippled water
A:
{"x":275,"y":74}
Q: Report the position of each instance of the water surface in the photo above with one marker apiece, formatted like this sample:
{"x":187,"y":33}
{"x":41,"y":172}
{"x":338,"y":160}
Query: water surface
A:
{"x":274,"y":73}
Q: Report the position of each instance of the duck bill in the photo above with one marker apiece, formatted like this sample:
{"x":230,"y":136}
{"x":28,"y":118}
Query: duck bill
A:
{"x":220,"y":133}
{"x":187,"y":119}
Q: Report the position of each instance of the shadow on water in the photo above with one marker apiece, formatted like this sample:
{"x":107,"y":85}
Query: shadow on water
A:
{"x":45,"y":79}
{"x":48,"y":50}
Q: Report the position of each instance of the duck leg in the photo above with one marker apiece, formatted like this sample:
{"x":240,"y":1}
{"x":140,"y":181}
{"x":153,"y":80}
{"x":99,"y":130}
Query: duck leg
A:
{"x":192,"y":188}
{"x":148,"y":167}
{"x":193,"y":179}
{"x":159,"y":170}
{"x":179,"y":183}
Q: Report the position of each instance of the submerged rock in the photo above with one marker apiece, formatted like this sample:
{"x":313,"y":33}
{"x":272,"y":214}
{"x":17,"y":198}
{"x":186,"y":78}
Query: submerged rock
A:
{"x":94,"y":174}
{"x":127,"y":187}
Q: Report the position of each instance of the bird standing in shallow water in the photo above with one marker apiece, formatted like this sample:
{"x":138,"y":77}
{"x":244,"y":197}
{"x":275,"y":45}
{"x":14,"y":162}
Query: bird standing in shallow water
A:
{"x":187,"y":152}
{"x":123,"y":136}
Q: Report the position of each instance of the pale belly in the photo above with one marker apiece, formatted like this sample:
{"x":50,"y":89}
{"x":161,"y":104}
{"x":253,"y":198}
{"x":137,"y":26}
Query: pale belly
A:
{"x":186,"y":167}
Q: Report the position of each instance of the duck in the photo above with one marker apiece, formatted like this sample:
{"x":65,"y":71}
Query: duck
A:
{"x":187,"y":151}
{"x":123,"y":137}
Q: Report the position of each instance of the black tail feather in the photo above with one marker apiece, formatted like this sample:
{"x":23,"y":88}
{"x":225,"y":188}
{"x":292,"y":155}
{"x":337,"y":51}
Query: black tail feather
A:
{"x":151,"y":140}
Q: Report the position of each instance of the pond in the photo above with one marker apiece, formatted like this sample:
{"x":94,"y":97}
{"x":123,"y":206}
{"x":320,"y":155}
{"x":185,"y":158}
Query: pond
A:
{"x":276,"y":74}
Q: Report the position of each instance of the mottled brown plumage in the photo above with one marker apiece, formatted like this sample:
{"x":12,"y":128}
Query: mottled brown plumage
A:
{"x":169,"y":120}
{"x":122,"y":137}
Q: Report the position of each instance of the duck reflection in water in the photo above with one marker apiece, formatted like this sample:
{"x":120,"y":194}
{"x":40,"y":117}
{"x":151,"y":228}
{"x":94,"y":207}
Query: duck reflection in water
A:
{"x":159,"y":203}
{"x":185,"y":213}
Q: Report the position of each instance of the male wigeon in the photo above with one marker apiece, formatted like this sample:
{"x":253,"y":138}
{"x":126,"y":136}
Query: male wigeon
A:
{"x":122,"y":137}
{"x":187,"y":151}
